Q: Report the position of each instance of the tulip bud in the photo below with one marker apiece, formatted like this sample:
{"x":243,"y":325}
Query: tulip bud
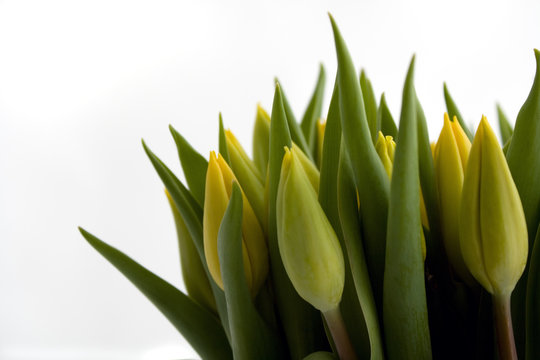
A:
{"x":386,"y":147}
{"x":309,"y":168}
{"x":451,"y":154}
{"x":493,"y":231}
{"x":248,"y":175}
{"x":308,"y":245}
{"x":219,"y":180}
{"x":261,"y":140}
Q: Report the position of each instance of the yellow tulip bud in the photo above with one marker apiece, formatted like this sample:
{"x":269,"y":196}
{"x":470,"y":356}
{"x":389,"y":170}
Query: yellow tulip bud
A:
{"x":386,"y":147}
{"x":310,"y":169}
{"x":308,"y":245}
{"x":451,"y":154}
{"x":248,"y":175}
{"x":493,"y":231}
{"x":219,"y":181}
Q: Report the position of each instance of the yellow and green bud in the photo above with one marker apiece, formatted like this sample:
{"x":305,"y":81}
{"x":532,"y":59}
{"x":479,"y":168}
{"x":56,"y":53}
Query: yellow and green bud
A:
{"x":308,"y":245}
{"x":219,"y":181}
{"x":248,"y":175}
{"x":493,"y":231}
{"x":451,"y":154}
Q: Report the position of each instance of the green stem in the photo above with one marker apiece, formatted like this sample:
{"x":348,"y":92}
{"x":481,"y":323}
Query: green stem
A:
{"x":339,"y":334}
{"x":503,"y":327}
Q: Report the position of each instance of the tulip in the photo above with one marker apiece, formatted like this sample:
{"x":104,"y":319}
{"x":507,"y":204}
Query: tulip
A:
{"x":248,"y":176}
{"x":493,"y":230}
{"x":219,"y":180}
{"x":308,"y":245}
{"x":451,"y":154}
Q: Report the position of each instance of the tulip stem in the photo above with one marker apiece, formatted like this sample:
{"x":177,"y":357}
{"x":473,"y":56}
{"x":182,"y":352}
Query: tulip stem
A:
{"x":335,"y":323}
{"x":503,"y":327}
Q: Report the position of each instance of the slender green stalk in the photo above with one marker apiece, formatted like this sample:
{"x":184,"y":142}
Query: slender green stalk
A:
{"x":503,"y":327}
{"x":335,"y":323}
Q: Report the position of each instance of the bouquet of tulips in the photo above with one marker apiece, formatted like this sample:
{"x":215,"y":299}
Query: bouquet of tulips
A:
{"x":352,"y":239}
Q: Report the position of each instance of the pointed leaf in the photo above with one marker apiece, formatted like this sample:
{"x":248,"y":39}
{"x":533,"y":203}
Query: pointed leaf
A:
{"x":504,"y":125}
{"x":297,"y":136}
{"x":198,"y":326}
{"x":370,"y":102}
{"x":370,"y":176}
{"x":313,"y":112}
{"x":193,"y":164}
{"x":384,"y":117}
{"x":250,"y":337}
{"x":452,"y":109}
{"x":404,"y":302}
{"x":223,"y":141}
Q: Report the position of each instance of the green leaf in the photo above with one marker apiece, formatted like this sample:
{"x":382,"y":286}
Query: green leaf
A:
{"x":429,"y":190}
{"x":404,"y":300}
{"x":294,"y":129}
{"x":250,"y":337}
{"x":193,"y":164}
{"x":504,"y":125}
{"x":313,"y":112}
{"x":223,"y":141}
{"x":198,"y":326}
{"x":350,"y":224}
{"x":453,"y":111}
{"x":384,"y":117}
{"x":533,"y":305}
{"x":195,"y":278}
{"x":523,"y":157}
{"x":370,"y":102}
{"x":192,"y":216}
{"x":261,"y":140}
{"x":330,"y":159}
{"x":370,"y":177}
{"x":302,"y":324}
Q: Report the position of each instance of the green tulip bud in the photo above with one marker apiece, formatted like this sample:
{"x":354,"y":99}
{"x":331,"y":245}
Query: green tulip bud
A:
{"x":493,"y":231}
{"x":451,"y":154}
{"x":308,"y":245}
{"x":219,"y":181}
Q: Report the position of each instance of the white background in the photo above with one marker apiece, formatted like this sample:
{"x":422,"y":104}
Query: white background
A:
{"x":82,"y":82}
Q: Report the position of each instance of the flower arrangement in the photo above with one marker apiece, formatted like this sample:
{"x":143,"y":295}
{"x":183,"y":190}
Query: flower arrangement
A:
{"x":409,"y":250}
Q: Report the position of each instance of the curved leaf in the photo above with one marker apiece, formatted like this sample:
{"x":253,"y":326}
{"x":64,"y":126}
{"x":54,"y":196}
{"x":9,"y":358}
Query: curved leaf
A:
{"x":384,"y":117}
{"x":504,"y":125}
{"x":198,"y":326}
{"x":370,"y":102}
